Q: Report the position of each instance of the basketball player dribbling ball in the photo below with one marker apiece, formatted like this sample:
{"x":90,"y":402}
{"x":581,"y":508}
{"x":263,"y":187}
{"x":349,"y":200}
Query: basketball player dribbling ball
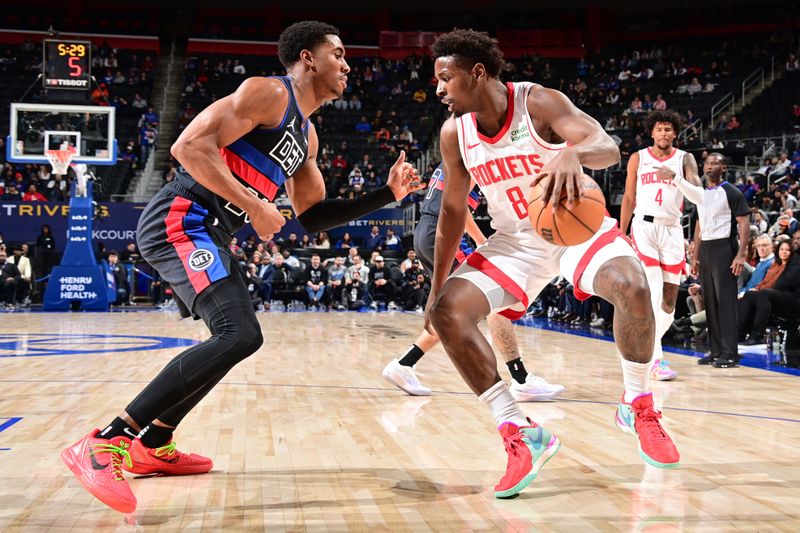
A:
{"x":234,"y":155}
{"x":509,"y":137}
{"x":525,"y":387}
{"x":653,"y":195}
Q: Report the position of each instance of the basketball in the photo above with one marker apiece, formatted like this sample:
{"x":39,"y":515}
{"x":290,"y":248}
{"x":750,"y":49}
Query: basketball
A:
{"x":568,"y":227}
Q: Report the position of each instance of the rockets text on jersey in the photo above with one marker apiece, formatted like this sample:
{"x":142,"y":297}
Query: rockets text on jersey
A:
{"x":654,"y":196}
{"x":504,"y":166}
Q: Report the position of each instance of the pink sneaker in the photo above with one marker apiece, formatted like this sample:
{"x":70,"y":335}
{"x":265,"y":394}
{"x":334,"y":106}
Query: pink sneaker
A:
{"x":661,"y":371}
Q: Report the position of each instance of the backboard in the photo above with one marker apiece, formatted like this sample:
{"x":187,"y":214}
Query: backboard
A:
{"x":36,"y":128}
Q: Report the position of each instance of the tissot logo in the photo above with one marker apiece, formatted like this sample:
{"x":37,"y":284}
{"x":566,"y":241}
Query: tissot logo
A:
{"x":518,"y":135}
{"x":200,"y":260}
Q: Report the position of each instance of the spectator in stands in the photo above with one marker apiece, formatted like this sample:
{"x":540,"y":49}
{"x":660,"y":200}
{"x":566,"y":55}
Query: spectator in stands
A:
{"x":345,"y":242}
{"x":316,"y":281}
{"x":322,"y":241}
{"x":364,"y":125}
{"x":292,"y":242}
{"x":120,"y":275}
{"x":129,"y":155}
{"x":789,"y":214}
{"x":11,"y":193}
{"x":694,"y":87}
{"x":660,"y":104}
{"x":10,"y":278}
{"x":391,"y":241}
{"x":238,"y":68}
{"x":792,"y":63}
{"x":374,"y":240}
{"x":305,"y":242}
{"x":138,"y":102}
{"x":279,"y":275}
{"x":780,"y":167}
{"x":351,"y":257}
{"x":759,"y":222}
{"x":290,"y":260}
{"x":355,"y":103}
{"x":131,"y":253}
{"x":32,"y":195}
{"x":57,"y":188}
{"x":150,"y":117}
{"x":355,"y":292}
{"x":339,"y":161}
{"x":756,"y":305}
{"x":356,"y":178}
{"x":415,"y":292}
{"x":23,"y":263}
{"x":337,"y":275}
{"x":766,"y":256}
{"x":100,"y":95}
{"x":358,"y":266}
{"x":45,"y":251}
{"x":147,"y":141}
{"x":733,"y":123}
{"x":264,"y":272}
{"x":381,"y":286}
{"x":408,"y":262}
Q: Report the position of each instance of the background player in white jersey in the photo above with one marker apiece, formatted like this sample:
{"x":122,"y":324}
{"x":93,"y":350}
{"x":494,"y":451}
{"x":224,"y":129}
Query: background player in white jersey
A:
{"x":507,"y":137}
{"x":656,"y":202}
{"x":525,"y":387}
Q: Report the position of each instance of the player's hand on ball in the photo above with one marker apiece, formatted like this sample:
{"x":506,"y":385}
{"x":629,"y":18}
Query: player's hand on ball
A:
{"x":266,"y":220}
{"x":565,"y":172}
{"x":403,"y":178}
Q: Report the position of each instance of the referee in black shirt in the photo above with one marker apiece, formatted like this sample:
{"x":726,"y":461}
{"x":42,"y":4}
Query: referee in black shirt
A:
{"x":720,"y":259}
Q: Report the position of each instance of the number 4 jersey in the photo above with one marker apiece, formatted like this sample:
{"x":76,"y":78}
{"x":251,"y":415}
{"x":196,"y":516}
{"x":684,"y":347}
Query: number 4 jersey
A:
{"x":504,"y":166}
{"x":654,"y":196}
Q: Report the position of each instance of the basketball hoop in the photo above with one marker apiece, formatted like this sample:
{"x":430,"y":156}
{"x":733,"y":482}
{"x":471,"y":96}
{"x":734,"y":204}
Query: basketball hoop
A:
{"x":61,"y":159}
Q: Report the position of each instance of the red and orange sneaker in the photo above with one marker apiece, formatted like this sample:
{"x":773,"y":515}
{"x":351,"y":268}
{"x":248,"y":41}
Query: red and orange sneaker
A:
{"x":640,"y":418}
{"x":166,"y":460}
{"x":528,"y":449}
{"x":97,"y":463}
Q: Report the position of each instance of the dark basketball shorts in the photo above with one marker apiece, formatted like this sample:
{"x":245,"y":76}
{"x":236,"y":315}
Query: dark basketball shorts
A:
{"x":424,"y":239}
{"x":176,"y":236}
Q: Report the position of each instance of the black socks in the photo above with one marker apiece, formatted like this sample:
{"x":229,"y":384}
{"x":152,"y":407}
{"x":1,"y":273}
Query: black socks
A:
{"x":118,"y":428}
{"x":411,"y":357}
{"x":517,"y":369}
{"x":154,"y":436}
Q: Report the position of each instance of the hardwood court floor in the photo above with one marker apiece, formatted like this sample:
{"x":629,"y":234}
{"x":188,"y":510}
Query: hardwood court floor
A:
{"x":305,"y":435}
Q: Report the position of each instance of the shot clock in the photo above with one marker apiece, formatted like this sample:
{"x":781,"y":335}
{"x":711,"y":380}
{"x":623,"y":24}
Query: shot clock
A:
{"x":67,"y":64}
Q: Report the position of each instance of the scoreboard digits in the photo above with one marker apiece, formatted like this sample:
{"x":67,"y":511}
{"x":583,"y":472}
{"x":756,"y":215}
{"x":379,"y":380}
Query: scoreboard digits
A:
{"x":67,"y":64}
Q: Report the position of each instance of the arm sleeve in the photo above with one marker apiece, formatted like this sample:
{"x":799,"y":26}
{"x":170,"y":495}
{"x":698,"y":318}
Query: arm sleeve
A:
{"x":329,"y":213}
{"x":692,"y":192}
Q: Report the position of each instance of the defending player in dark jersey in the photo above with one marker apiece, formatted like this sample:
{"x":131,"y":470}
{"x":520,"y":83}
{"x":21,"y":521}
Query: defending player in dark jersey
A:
{"x":235,"y":155}
{"x":401,"y":372}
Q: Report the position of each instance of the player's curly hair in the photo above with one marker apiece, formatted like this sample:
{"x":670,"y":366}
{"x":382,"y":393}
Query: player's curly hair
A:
{"x":469,"y":47}
{"x":663,"y":115}
{"x":304,"y":35}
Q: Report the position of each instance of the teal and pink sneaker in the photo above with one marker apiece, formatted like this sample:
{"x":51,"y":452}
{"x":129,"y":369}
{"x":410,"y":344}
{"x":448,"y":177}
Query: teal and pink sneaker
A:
{"x":640,"y":418}
{"x":528,"y":449}
{"x":661,"y":371}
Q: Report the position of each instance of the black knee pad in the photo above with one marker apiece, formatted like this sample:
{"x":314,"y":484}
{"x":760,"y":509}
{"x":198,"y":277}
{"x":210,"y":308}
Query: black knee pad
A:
{"x":227,"y":311}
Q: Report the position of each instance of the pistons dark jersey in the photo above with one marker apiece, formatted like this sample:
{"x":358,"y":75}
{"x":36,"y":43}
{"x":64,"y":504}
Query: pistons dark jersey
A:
{"x":262,"y":160}
{"x":433,"y":199}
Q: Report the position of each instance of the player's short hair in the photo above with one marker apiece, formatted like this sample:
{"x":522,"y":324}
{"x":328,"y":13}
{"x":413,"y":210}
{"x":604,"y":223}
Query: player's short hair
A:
{"x":722,"y":159}
{"x":663,"y":115}
{"x":470,"y":47}
{"x":304,"y":35}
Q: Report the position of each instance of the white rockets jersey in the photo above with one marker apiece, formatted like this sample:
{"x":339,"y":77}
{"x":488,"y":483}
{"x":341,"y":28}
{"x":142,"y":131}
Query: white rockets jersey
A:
{"x":653,"y":196}
{"x":505,"y":165}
